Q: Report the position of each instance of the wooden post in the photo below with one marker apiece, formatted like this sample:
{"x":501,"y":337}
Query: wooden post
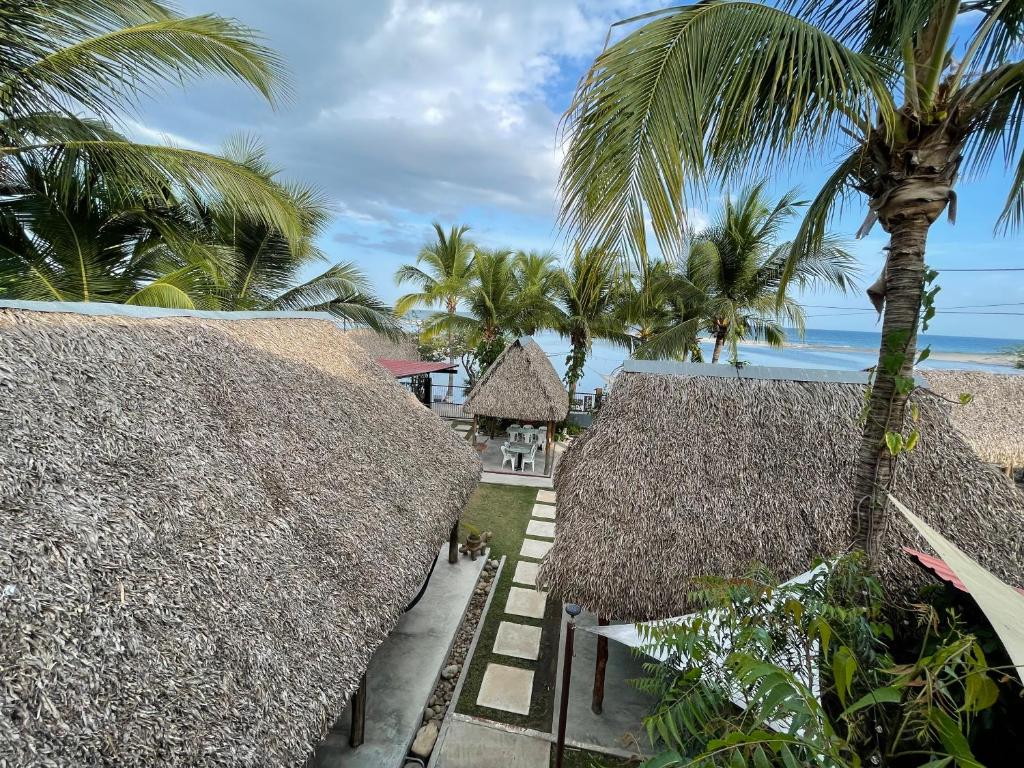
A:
{"x":549,"y":448}
{"x":453,"y":544}
{"x":598,"y":398}
{"x":357,"y":733}
{"x":472,"y":432}
{"x":563,"y":706}
{"x":597,"y":700}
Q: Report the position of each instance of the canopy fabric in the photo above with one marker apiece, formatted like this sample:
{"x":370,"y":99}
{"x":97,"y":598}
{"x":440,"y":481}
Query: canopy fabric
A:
{"x":1000,"y":602}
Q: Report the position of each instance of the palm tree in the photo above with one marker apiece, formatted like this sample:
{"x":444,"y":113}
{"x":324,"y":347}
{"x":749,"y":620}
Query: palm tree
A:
{"x":589,"y":297}
{"x":664,"y":312}
{"x":738,"y":269}
{"x":65,"y":58}
{"x":914,"y":100}
{"x":441,"y":274}
{"x":538,"y":277}
{"x":81,"y":236}
{"x":266,"y":265}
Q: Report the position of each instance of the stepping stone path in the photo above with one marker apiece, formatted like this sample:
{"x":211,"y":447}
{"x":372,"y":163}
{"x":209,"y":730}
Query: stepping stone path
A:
{"x":511,"y":688}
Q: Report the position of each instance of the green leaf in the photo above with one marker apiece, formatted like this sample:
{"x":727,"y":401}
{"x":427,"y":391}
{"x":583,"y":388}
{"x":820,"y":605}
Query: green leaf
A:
{"x":665,"y":760}
{"x":912,"y":439}
{"x":844,"y":665}
{"x":894,"y":442}
{"x":924,"y":354}
{"x":981,"y":692}
{"x":915,"y":412}
{"x":760,"y":758}
{"x":737,"y":760}
{"x":965,"y":398}
{"x":887,"y":695}
{"x":951,"y":737}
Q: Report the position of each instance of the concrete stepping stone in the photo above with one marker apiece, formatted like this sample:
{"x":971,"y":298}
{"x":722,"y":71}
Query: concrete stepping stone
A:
{"x":519,"y":640}
{"x":542,"y":529}
{"x":526,"y":573}
{"x":506,"y":688}
{"x":544,"y":511}
{"x":535,"y":549}
{"x":546,"y":497}
{"x":526,"y":602}
{"x":474,"y":744}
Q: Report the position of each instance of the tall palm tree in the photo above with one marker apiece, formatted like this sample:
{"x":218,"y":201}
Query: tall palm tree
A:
{"x":664,"y":312}
{"x":441,"y":274}
{"x":65,"y":58}
{"x":915,"y":89}
{"x":738,"y":268}
{"x":589,"y":297}
{"x":538,"y":276}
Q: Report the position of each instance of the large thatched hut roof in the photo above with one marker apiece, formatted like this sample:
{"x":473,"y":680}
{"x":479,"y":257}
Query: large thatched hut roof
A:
{"x":993,"y":421}
{"x":520,"y":384}
{"x":381,"y":347}
{"x":208,"y":527}
{"x":697,"y":470}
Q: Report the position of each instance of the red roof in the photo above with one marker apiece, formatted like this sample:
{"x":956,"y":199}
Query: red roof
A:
{"x":402,"y":368}
{"x":938,"y":566}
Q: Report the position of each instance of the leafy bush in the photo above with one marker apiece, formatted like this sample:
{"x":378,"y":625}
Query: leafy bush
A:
{"x":806,"y":674}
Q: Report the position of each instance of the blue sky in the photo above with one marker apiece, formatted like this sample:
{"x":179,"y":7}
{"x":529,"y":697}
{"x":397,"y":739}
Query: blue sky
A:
{"x":407,"y":111}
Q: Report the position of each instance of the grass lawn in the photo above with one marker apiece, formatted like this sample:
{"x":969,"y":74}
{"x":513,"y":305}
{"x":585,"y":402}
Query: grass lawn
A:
{"x":505,"y":511}
{"x":579,"y":758}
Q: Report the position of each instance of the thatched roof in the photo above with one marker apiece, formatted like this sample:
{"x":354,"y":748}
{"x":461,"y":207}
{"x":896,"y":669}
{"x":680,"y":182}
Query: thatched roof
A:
{"x":695,"y":471}
{"x":208,"y":528}
{"x":993,"y":422}
{"x":380,"y":347}
{"x":520,"y":384}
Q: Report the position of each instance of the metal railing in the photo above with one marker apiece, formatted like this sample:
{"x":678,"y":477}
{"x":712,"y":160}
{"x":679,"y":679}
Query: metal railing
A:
{"x":447,"y":401}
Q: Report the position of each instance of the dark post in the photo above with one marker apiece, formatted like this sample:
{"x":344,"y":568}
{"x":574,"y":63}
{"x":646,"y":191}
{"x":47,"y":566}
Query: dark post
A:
{"x":472,"y":432}
{"x":549,"y":448}
{"x":563,"y":706}
{"x":597,"y":701}
{"x":598,"y":398}
{"x":357,"y":733}
{"x":453,"y":544}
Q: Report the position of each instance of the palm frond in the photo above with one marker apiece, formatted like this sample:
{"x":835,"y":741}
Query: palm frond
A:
{"x":716,"y":87}
{"x":109,"y":65}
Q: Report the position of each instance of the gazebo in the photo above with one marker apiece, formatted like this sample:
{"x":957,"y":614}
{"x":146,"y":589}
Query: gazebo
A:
{"x":211,"y":522}
{"x":521,"y":384}
{"x":993,"y":421}
{"x":703,"y":470}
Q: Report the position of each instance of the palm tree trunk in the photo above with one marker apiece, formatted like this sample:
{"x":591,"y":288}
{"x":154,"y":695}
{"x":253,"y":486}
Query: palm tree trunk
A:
{"x":904,"y":284}
{"x":451,"y":353}
{"x":720,"y":334}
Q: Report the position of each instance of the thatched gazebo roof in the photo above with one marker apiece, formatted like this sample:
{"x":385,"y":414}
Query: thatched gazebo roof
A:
{"x":993,"y":422}
{"x":699,"y":470}
{"x":380,"y":347}
{"x":208,"y":526}
{"x":520,"y":384}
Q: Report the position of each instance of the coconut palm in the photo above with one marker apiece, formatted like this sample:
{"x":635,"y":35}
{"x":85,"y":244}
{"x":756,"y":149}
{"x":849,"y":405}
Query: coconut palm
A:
{"x":916,"y":89}
{"x":442,"y":274}
{"x":589,"y":296}
{"x":738,"y":267}
{"x":493,"y":306}
{"x":66,"y":58}
{"x":79,"y":236}
{"x":664,"y":312}
{"x":538,"y":278}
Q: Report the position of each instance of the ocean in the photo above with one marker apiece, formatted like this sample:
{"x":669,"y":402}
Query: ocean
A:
{"x":839,"y":350}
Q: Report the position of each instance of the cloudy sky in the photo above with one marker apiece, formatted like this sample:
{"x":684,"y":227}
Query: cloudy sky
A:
{"x":409,"y":111}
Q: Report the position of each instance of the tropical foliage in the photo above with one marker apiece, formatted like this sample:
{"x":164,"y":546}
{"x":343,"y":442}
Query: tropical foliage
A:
{"x":803,"y":674}
{"x":915,"y":90}
{"x":67,"y":58}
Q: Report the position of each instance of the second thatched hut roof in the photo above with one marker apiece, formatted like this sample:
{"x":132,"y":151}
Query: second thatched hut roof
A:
{"x":520,"y":384}
{"x":993,"y":421}
{"x":695,"y":471}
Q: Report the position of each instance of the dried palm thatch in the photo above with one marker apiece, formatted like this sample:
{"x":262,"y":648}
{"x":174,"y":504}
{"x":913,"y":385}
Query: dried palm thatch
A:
{"x":993,"y":422}
{"x":380,"y":347}
{"x":520,"y":384}
{"x":208,"y":528}
{"x":693,"y":474}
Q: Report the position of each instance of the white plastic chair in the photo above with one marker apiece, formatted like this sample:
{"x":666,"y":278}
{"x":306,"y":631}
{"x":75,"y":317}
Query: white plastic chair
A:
{"x":508,"y":456}
{"x":515,"y":432}
{"x":530,"y":458}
